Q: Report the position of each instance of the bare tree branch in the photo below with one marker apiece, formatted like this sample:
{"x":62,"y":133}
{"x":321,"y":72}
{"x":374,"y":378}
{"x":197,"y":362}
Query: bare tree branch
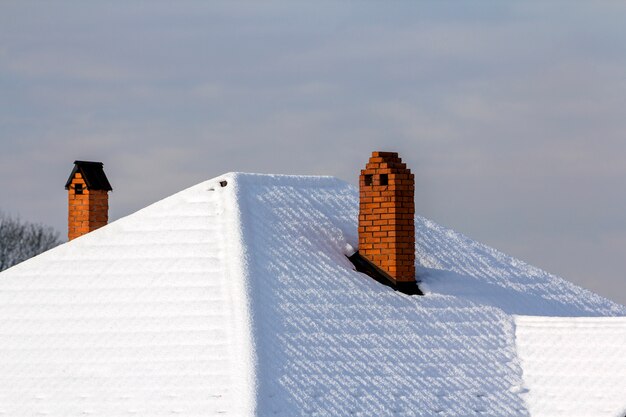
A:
{"x":20,"y":240}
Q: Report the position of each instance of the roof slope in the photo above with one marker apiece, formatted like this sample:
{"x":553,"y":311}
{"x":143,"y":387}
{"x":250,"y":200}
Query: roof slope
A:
{"x":239,"y":300}
{"x":144,"y":316}
{"x":330,"y":341}
{"x":580,"y":360}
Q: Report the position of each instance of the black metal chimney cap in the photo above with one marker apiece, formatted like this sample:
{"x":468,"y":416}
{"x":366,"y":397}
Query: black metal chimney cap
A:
{"x":93,"y":174}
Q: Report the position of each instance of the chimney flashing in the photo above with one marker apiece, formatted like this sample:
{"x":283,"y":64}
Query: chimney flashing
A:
{"x":367,"y":267}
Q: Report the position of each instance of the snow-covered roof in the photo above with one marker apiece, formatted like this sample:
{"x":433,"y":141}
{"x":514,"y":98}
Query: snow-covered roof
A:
{"x":581,"y":361}
{"x":239,"y":300}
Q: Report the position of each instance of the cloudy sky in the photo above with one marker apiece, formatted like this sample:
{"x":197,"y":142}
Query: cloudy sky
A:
{"x":511,"y":114}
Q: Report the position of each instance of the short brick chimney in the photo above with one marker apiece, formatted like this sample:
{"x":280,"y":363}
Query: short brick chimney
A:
{"x":386,"y":216}
{"x":88,"y":198}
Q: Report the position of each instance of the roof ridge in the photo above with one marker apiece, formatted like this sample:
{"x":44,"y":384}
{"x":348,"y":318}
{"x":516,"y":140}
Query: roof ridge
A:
{"x":239,"y":273}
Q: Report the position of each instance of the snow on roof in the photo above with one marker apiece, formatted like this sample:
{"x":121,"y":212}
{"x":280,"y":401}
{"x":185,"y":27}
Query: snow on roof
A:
{"x":239,"y":300}
{"x":579,"y":360}
{"x":146,"y":316}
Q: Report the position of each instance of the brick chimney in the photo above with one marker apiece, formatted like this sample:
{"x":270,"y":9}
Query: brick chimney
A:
{"x":386,"y":216}
{"x":88,"y":198}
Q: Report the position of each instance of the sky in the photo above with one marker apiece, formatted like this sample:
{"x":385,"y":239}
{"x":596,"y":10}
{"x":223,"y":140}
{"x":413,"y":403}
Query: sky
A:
{"x":512,"y":115}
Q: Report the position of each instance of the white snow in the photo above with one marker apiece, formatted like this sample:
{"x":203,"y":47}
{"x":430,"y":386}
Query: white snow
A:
{"x":146,"y":316}
{"x":580,"y":361}
{"x":239,"y":300}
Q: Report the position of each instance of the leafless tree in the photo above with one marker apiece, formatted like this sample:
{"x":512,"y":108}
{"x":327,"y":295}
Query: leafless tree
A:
{"x":20,"y":240}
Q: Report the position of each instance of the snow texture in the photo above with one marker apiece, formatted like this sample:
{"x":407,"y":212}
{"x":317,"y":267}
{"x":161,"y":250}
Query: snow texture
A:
{"x":239,"y":300}
{"x":144,"y":317}
{"x":580,"y":361}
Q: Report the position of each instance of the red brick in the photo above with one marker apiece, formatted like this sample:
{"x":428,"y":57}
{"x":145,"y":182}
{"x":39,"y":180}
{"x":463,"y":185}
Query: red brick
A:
{"x":386,"y":229}
{"x":87,"y":211}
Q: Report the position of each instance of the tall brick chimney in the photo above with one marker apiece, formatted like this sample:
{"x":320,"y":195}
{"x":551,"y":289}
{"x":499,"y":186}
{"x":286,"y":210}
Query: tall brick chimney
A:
{"x":386,"y":216}
{"x":88,"y":198}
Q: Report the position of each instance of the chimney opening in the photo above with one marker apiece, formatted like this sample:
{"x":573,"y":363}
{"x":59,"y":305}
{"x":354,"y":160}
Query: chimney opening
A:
{"x":368,"y":180}
{"x":384,"y":179}
{"x":78,"y":188}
